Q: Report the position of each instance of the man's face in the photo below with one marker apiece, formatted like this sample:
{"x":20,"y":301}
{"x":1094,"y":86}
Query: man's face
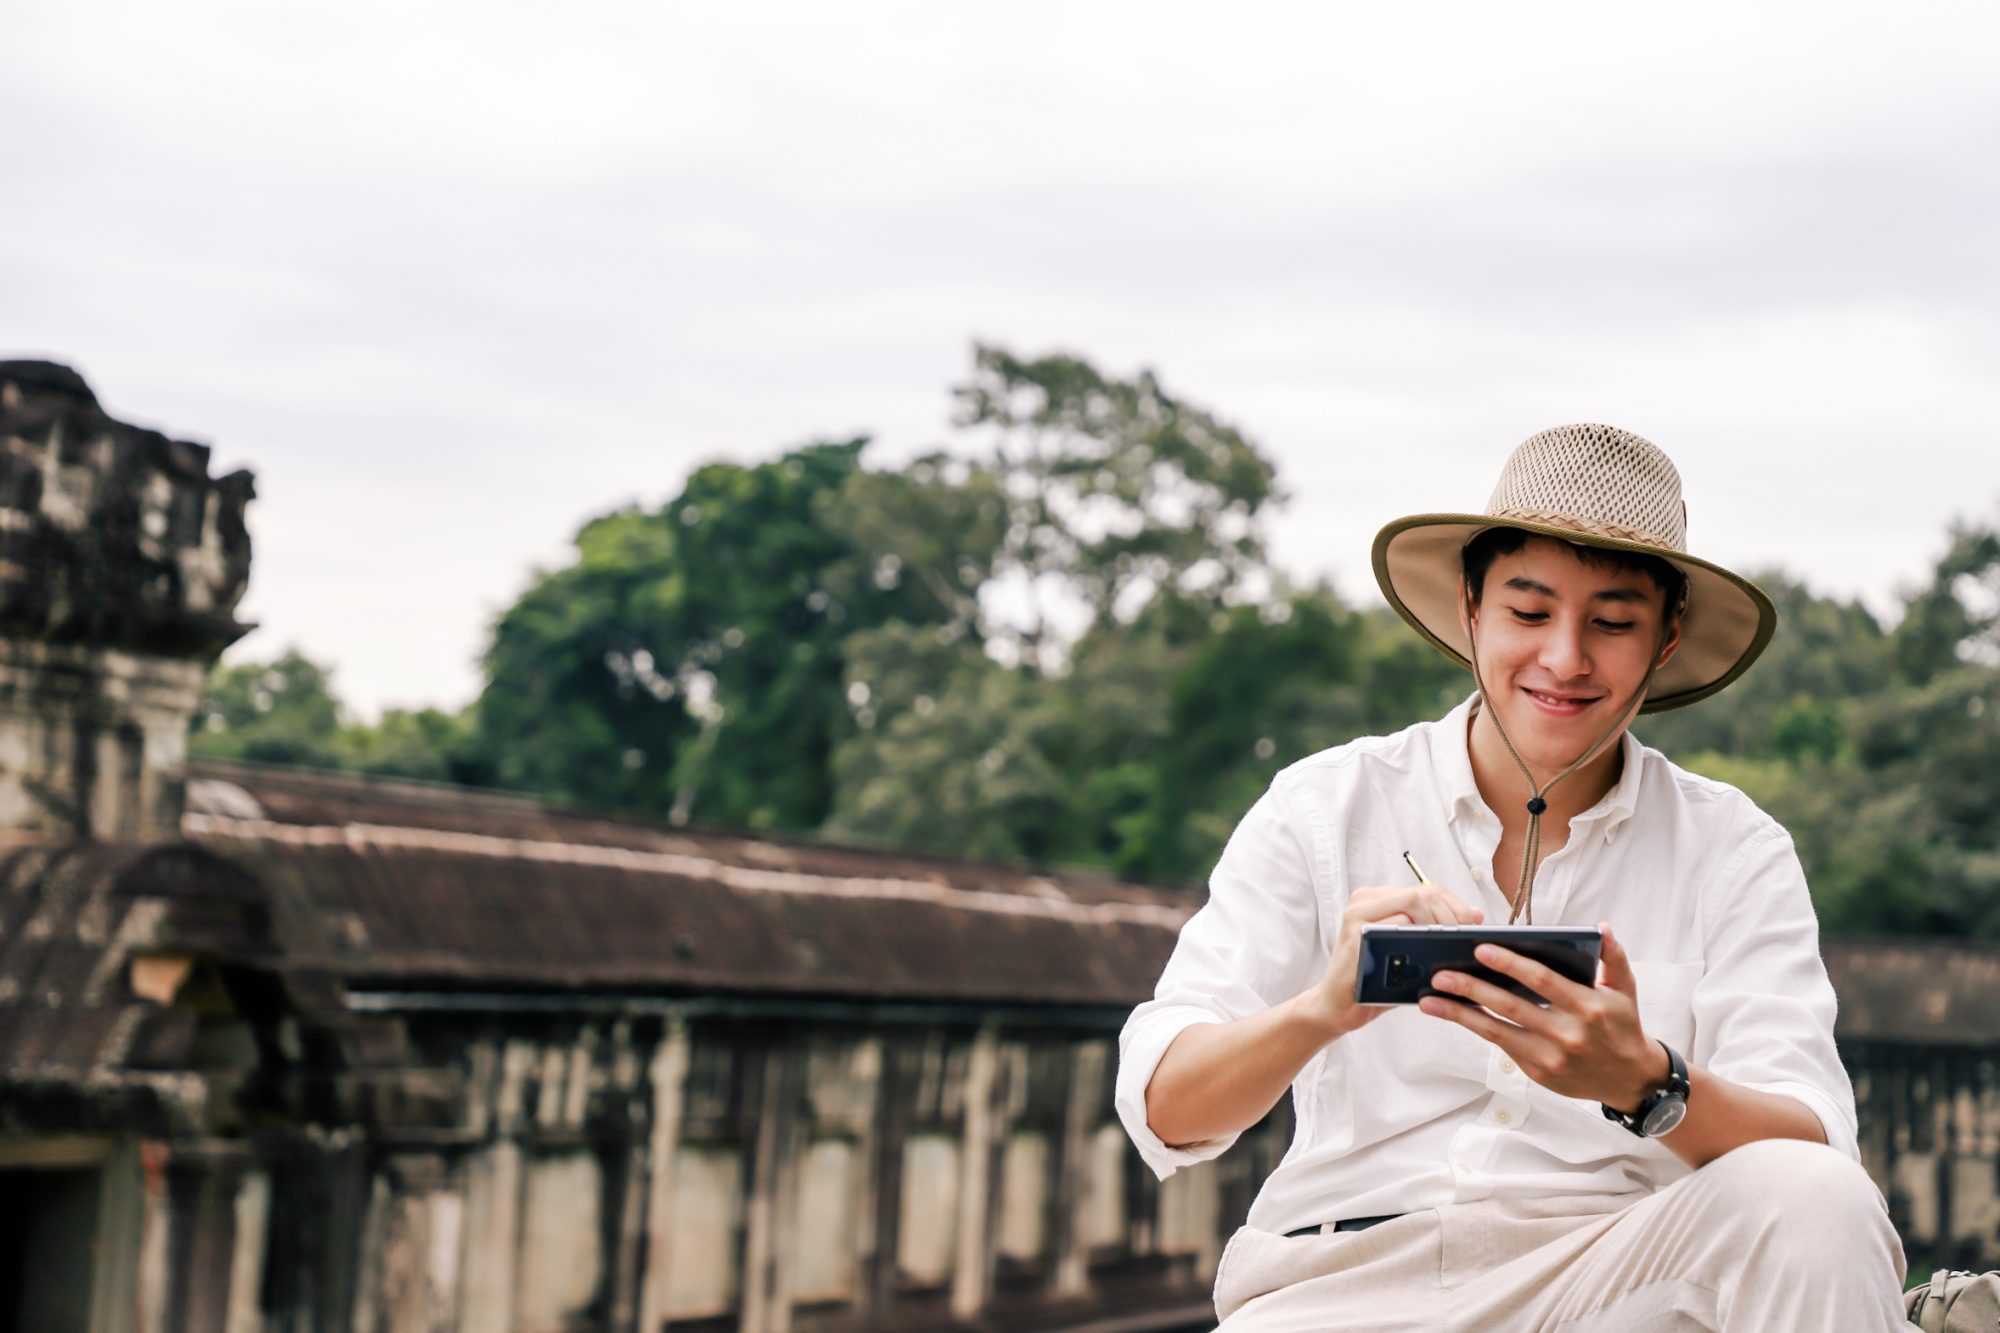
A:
{"x":1563,"y":646}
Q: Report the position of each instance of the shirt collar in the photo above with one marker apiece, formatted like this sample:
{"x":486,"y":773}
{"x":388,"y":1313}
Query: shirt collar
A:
{"x":1451,"y":760}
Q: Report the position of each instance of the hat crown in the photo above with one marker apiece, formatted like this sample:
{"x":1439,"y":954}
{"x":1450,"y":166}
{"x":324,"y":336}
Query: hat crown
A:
{"x":1594,"y":479}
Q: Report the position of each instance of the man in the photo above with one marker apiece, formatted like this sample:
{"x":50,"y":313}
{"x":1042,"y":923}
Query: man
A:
{"x":1672,"y":1148}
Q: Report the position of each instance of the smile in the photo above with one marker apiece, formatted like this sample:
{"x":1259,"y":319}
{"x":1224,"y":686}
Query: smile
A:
{"x":1561,"y":705}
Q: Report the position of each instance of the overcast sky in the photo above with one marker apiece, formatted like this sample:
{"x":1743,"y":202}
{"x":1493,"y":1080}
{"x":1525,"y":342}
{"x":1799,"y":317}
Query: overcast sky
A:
{"x":452,"y":278}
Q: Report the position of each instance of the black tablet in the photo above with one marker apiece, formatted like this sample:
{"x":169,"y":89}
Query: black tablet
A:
{"x":1397,"y":961}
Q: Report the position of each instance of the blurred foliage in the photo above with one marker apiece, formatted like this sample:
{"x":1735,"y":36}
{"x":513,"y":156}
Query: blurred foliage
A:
{"x":1066,"y":645}
{"x":1879,"y":749}
{"x":285,"y":712}
{"x":690,"y":662}
{"x":1114,"y":491}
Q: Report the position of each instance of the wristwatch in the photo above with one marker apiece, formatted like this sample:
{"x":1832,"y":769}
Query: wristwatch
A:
{"x":1663,"y":1108}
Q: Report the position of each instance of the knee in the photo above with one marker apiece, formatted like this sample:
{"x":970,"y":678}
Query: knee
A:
{"x":1786,"y":1205}
{"x":1791,"y":1180}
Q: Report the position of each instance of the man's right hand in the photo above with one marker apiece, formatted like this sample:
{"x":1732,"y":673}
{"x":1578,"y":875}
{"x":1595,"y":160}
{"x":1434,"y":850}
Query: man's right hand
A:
{"x":1221,"y":1078}
{"x":1332,"y":999}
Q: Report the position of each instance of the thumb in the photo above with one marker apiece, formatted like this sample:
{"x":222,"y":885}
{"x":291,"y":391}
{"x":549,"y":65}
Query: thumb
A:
{"x":1617,"y":966}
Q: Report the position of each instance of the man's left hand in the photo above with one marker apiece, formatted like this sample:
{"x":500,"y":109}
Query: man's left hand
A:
{"x":1587,"y":1043}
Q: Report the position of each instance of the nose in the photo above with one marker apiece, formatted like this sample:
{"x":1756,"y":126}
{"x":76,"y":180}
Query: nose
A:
{"x":1564,"y":654}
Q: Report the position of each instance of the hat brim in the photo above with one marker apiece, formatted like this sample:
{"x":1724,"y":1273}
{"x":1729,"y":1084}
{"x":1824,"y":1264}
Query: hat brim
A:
{"x":1729,"y":620}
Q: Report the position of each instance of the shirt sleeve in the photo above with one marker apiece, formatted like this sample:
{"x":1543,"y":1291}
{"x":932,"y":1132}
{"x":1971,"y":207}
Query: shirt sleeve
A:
{"x":1764,"y":1008}
{"x":1257,"y":941}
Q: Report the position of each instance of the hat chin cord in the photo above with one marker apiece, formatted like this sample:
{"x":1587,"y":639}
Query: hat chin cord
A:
{"x":1523,"y":912}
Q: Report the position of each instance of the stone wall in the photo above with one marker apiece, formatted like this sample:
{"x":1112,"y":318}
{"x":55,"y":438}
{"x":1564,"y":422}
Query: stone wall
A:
{"x":765,"y":1171}
{"x":1930,"y":1137}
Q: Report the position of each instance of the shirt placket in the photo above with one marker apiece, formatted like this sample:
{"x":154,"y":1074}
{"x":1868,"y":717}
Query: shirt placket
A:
{"x":1503,"y":1112}
{"x":1505,"y":1109}
{"x":1477,"y":833}
{"x":1557,"y":876}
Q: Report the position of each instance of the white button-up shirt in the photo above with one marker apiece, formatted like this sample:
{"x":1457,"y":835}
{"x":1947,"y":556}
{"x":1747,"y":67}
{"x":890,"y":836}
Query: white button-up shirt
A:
{"x":1410,"y":1112}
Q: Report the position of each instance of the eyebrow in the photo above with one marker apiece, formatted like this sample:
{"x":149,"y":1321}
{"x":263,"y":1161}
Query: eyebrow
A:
{"x":1522,"y":583}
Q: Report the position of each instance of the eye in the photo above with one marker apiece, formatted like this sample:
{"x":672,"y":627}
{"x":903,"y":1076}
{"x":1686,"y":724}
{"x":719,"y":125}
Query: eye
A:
{"x":1530,"y":617}
{"x":1616,"y":625}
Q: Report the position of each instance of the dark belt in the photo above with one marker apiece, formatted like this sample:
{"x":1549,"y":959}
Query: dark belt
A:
{"x":1349,"y":1224}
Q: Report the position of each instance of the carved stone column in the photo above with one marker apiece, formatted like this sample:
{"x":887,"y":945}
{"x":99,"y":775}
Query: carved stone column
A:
{"x":121,"y":564}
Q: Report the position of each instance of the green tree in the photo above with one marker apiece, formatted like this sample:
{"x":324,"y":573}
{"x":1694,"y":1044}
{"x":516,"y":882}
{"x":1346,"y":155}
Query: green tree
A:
{"x":576,"y":705}
{"x":1875,"y":748}
{"x":950,"y":750}
{"x":1139,"y":758}
{"x":425,"y":743}
{"x":937,"y":524}
{"x":285,"y":712}
{"x":1956,"y":617}
{"x":1103,"y":529}
{"x":690,"y":661}
{"x":277,"y":712}
{"x":1825,"y":654}
{"x":1114,"y":492}
{"x":1243,"y":692}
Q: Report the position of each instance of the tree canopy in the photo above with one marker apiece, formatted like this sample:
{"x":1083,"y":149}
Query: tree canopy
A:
{"x":1062,"y":641}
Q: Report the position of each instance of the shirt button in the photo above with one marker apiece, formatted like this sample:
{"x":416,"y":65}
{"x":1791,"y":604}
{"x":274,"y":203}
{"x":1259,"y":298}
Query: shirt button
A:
{"x":1503,"y":1117}
{"x":1507,"y":1066}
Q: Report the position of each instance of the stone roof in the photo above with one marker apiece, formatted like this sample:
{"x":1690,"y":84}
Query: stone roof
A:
{"x":78,"y":1046}
{"x":1924,"y":992}
{"x":421,"y":886}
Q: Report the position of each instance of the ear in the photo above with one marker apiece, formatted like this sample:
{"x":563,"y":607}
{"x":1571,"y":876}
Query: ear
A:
{"x":1672,"y":644}
{"x":1468,"y":612}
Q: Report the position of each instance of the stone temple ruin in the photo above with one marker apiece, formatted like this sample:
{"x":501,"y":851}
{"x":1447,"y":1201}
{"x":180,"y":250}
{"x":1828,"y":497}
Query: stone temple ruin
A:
{"x":284,"y":1051}
{"x":121,"y":563}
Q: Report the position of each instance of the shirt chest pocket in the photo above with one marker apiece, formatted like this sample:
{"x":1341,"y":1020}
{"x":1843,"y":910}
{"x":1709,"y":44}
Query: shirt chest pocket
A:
{"x":1666,"y":1002}
{"x":1412,"y":1039}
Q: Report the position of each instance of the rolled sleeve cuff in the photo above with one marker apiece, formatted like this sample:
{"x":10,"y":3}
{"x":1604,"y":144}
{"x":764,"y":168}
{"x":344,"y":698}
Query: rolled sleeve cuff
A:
{"x":1144,"y":1042}
{"x":1839,"y":1127}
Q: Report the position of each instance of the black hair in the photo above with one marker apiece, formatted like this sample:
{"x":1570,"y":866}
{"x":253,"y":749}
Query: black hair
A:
{"x":1478,"y":556}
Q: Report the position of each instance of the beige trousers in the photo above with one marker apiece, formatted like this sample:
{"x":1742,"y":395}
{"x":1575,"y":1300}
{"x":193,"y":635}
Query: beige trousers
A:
{"x":1774,"y":1237}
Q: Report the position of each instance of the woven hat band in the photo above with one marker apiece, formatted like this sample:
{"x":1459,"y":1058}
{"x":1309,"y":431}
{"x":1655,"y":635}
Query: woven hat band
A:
{"x":1587,"y":527}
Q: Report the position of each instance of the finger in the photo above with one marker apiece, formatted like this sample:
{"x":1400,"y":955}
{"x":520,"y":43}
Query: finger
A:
{"x":1551,"y":985}
{"x":1423,"y":904}
{"x":1617,"y":964}
{"x":1448,"y":909}
{"x":1373,"y":899}
{"x":1516,"y":1009}
{"x":1456,"y":911}
{"x":1429,"y":907}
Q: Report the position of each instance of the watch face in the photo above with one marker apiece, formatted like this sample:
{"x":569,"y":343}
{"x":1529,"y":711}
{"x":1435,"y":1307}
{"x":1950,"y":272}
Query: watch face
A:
{"x":1664,"y":1117}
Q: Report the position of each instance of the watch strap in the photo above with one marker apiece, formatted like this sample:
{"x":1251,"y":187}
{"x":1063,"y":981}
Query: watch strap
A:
{"x":1676,"y":1088}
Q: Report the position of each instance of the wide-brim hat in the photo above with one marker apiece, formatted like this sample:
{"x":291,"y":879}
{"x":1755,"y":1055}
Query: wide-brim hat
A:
{"x":1593,"y":486}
